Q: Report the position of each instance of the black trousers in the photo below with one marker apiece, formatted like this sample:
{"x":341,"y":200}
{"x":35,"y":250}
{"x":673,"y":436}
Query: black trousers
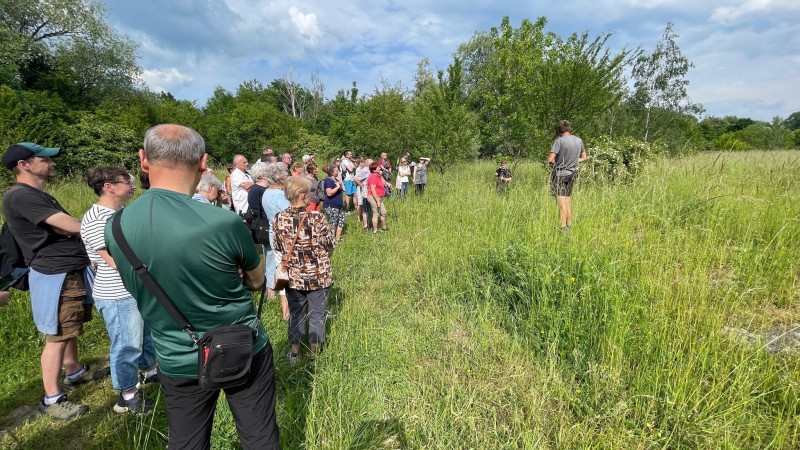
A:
{"x":190,"y":410}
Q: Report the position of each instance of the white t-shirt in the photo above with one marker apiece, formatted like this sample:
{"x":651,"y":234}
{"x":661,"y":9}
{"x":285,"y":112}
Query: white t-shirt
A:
{"x":347,"y":170}
{"x":239,"y":193}
{"x":107,"y":283}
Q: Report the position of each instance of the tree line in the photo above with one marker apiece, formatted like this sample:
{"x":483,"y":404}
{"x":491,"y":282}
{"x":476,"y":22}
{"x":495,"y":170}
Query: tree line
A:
{"x":68,"y":79}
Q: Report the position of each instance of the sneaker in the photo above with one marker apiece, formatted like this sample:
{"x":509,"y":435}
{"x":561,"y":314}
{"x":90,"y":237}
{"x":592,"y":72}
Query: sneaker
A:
{"x":144,"y":380}
{"x":293,"y":358}
{"x":374,"y":231}
{"x":87,"y":376}
{"x":63,"y":409}
{"x":137,"y":405}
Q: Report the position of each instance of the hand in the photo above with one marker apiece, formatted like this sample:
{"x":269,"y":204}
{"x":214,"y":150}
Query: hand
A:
{"x":285,"y":308}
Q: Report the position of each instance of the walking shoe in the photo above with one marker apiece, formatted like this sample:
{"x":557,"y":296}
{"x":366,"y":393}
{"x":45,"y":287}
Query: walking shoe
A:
{"x":63,"y":409}
{"x":137,"y":405}
{"x":87,"y":376}
{"x":293,"y":358}
{"x":145,"y":380}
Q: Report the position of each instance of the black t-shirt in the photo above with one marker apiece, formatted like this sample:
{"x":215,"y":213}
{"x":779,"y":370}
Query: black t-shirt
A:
{"x":26,"y":209}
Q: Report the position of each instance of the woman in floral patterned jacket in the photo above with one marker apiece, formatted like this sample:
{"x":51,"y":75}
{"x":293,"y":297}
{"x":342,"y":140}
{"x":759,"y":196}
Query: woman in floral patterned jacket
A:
{"x":308,"y":264}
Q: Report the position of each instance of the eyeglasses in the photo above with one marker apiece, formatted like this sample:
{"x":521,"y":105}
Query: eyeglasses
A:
{"x":128,"y":182}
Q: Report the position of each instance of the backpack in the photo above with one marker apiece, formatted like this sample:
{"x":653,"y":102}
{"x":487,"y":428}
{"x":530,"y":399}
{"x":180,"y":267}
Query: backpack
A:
{"x":12,"y":264}
{"x":321,"y":190}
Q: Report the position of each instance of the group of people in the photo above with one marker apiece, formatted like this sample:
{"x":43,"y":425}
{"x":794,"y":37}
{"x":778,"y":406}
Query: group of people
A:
{"x":207,"y":262}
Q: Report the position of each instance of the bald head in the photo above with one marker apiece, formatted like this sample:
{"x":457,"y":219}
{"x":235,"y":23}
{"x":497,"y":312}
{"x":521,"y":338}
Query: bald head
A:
{"x":173,"y":146}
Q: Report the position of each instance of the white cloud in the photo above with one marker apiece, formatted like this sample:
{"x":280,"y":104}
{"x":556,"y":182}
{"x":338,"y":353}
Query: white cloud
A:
{"x":165,"y":80}
{"x":306,"y":24}
{"x":731,"y":13}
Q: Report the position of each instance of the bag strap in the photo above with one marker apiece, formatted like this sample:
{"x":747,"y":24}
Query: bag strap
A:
{"x":152,"y":284}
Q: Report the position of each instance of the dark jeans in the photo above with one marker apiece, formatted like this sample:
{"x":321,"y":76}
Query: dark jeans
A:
{"x":419,"y":189}
{"x":311,"y":305}
{"x":190,"y":410}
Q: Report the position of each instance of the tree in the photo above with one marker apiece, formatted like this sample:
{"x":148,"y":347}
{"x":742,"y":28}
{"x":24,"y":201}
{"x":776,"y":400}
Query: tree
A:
{"x":64,"y":46}
{"x":793,"y":121}
{"x":660,"y":85}
{"x":383,"y":124}
{"x":447,"y":131}
{"x":521,"y":81}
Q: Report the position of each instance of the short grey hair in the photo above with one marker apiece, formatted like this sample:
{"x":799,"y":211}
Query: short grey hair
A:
{"x":206,"y":181}
{"x":259,"y":171}
{"x":238,"y":158}
{"x":174,"y":145}
{"x":276,"y":173}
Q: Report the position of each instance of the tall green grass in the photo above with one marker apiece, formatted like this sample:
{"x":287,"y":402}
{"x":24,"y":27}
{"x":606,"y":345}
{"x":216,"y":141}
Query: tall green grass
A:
{"x":475,"y":323}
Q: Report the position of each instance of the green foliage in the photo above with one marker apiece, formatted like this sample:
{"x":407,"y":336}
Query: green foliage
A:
{"x":92,"y":142}
{"x":521,"y":81}
{"x":245,"y":122}
{"x":619,"y":159}
{"x":793,"y":121}
{"x":65,"y":47}
{"x":315,"y":144}
{"x":730,"y":142}
{"x":447,"y":131}
{"x":383,"y":124}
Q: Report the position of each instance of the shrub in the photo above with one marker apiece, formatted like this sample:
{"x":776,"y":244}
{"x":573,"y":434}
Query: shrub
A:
{"x":619,"y":159}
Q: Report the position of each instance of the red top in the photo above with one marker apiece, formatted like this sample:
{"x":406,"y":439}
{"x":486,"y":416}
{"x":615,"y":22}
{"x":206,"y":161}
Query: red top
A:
{"x":375,"y":180}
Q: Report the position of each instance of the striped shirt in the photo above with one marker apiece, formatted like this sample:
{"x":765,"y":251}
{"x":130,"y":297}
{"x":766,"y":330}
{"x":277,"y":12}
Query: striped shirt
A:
{"x":107,"y":283}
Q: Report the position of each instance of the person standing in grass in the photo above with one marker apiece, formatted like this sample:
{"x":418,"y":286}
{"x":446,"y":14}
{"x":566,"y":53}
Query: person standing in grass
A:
{"x":421,"y":175}
{"x":241,"y":182}
{"x":503,"y":176}
{"x":565,"y":155}
{"x":59,"y":269}
{"x":333,"y":201}
{"x":132,"y":348}
{"x":311,"y":172}
{"x":347,"y":171}
{"x":205,"y":260}
{"x":403,"y":172}
{"x":272,"y":202}
{"x":306,"y":249}
{"x":376,"y":191}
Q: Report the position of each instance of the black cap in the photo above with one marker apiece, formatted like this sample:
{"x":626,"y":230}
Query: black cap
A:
{"x":24,"y":150}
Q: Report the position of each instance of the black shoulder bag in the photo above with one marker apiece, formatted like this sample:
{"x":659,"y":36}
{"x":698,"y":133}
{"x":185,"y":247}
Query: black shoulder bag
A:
{"x":224,"y":353}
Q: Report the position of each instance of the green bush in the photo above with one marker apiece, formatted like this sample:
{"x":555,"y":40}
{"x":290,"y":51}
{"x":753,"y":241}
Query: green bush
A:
{"x":92,"y":142}
{"x":619,"y":159}
{"x":730,"y":142}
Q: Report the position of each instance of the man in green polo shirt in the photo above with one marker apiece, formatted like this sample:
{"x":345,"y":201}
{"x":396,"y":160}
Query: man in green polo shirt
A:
{"x":204,"y":258}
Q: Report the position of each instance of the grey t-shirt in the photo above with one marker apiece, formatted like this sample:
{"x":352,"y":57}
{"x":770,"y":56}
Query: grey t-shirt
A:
{"x":567,"y":150}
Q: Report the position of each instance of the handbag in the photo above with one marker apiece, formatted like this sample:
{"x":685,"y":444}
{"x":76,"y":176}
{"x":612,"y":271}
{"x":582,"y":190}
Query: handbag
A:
{"x":224,"y":353}
{"x":259,"y":228}
{"x":282,"y":271}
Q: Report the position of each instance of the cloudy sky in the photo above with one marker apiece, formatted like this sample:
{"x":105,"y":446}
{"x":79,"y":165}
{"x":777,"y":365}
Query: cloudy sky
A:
{"x":746,"y":52}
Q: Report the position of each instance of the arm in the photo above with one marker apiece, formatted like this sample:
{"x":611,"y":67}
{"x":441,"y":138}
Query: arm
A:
{"x":583,"y":157}
{"x":64,"y":224}
{"x":107,"y":258}
{"x":246,"y":185}
{"x":551,"y":159}
{"x":330,"y":192}
{"x":254,"y":278}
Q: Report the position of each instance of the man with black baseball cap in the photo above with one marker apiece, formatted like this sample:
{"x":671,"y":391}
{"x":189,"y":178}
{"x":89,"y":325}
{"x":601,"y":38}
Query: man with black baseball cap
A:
{"x":51,"y":246}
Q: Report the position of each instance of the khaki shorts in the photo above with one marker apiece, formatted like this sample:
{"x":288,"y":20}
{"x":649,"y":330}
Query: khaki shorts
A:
{"x":373,"y":203}
{"x":73,"y":312}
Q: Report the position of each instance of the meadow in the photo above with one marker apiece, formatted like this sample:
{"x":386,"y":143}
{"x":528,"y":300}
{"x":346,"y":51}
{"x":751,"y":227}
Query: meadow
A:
{"x":474,"y":323}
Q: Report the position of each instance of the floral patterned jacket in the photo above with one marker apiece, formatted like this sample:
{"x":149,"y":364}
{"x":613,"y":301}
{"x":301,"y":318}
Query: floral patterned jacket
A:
{"x":309,"y":263}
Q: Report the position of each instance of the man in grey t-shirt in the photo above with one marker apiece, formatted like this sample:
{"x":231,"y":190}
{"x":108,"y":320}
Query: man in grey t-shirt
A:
{"x":567,"y":152}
